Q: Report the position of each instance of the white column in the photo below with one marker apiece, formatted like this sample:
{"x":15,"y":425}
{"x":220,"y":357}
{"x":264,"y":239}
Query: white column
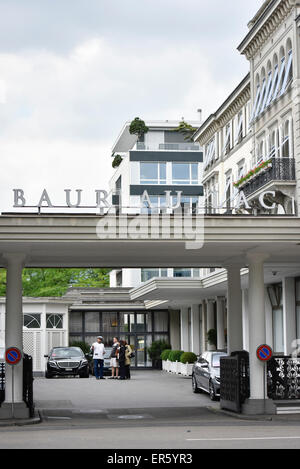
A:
{"x":220,"y":324}
{"x":245,"y":320}
{"x":257,"y":323}
{"x":14,"y":335}
{"x":203,"y":324}
{"x":234,"y":309}
{"x":210,"y":320}
{"x":195,"y":329}
{"x":289,"y":314}
{"x":184,"y":329}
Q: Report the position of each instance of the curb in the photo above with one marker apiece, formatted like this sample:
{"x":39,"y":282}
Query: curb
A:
{"x":254,"y":418}
{"x":22,"y":422}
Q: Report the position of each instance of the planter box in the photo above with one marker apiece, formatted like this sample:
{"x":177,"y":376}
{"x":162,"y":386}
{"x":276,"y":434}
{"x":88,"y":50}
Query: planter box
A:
{"x":166,"y":365}
{"x":186,"y":369}
{"x":175,"y":367}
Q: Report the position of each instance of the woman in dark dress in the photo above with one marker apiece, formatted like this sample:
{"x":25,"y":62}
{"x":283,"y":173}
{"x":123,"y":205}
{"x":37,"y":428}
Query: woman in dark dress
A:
{"x":122,"y":359}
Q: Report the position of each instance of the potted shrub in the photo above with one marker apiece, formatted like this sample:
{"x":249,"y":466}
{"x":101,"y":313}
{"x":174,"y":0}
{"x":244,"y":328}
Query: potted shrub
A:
{"x":138,"y":127}
{"x":174,"y":358}
{"x":187,"y":360}
{"x":117,"y":161}
{"x":165,"y":359}
{"x":155,"y":350}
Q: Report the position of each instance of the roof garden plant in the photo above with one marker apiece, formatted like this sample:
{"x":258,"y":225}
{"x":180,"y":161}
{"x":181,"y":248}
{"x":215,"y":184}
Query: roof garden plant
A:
{"x":138,"y":127}
{"x":186,"y":130}
{"x":253,"y":172}
{"x":117,"y":161}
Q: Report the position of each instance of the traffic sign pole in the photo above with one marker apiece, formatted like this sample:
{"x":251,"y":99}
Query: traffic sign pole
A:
{"x":13,"y":356}
{"x":264,"y":354}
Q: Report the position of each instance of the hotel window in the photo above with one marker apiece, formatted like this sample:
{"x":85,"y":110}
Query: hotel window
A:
{"x":187,"y":203}
{"x":286,"y":141}
{"x":54,"y":321}
{"x":148,"y":274}
{"x":228,"y":192}
{"x":261,"y":97}
{"x":227,"y":139}
{"x":288,"y":73}
{"x":152,"y":173}
{"x":255,"y":103}
{"x":185,"y":173}
{"x":266,"y":97}
{"x":280,"y":78}
{"x":32,"y":321}
{"x":239,"y":128}
{"x":275,"y":296}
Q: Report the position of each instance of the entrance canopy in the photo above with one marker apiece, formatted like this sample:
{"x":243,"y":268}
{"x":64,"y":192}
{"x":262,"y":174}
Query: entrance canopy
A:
{"x":62,"y":240}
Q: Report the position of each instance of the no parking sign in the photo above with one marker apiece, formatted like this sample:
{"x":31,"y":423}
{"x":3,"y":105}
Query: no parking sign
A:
{"x":13,"y":356}
{"x":264,"y":353}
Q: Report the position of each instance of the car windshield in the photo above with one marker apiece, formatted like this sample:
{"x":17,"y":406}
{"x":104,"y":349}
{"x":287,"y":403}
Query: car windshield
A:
{"x":216,"y":359}
{"x":67,"y":352}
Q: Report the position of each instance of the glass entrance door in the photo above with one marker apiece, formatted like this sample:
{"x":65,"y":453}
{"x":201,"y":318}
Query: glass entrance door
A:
{"x":140,"y":351}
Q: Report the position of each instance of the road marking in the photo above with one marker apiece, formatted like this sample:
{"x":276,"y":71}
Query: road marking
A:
{"x":248,"y":438}
{"x":59,"y":418}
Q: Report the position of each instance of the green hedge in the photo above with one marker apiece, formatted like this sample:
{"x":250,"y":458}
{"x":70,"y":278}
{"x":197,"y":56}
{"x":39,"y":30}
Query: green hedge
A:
{"x":188,"y":357}
{"x":174,"y":355}
{"x":165,"y":354}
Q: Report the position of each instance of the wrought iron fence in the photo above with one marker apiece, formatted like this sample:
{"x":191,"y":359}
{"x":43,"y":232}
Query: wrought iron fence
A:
{"x":283,"y":376}
{"x":28,"y":383}
{"x":234,"y":375}
{"x":282,"y":169}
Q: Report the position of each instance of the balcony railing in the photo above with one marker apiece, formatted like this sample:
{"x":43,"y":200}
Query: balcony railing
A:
{"x":169,"y":147}
{"x":282,"y":169}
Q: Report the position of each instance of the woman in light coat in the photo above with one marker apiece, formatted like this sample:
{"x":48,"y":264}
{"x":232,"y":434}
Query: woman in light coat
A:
{"x":128,"y":352}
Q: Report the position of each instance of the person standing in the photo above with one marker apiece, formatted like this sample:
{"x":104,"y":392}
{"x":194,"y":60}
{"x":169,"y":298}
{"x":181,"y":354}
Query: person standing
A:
{"x":114,"y":359}
{"x":128,"y":356}
{"x":122,"y":358}
{"x":98,"y":356}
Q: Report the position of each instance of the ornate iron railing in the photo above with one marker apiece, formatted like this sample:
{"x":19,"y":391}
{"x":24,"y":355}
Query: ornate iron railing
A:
{"x":234,"y":376}
{"x":282,"y":169}
{"x":28,"y":383}
{"x":284,"y":378}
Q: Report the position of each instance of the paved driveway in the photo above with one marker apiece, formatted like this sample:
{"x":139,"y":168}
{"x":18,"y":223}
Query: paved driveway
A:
{"x":146,"y":389}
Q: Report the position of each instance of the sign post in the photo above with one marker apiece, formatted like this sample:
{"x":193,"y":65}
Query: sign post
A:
{"x":13,"y":356}
{"x":264,"y":354}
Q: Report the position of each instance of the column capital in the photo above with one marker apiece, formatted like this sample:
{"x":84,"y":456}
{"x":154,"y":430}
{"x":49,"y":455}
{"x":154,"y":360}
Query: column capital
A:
{"x":210,"y":300}
{"x":14,"y":258}
{"x":257,"y":257}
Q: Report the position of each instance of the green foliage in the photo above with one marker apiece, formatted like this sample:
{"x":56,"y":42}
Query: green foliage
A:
{"x":138,"y":127}
{"x":174,"y":355}
{"x":185,"y":129}
{"x":188,"y":357}
{"x":252,"y":172}
{"x":165,"y":354}
{"x":117,"y":161}
{"x":156,"y":349}
{"x":83,"y":345}
{"x":55,"y":282}
{"x":212,"y":337}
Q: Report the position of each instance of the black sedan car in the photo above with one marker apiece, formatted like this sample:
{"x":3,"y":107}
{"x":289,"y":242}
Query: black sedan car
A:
{"x":67,"y":361}
{"x":206,"y":374}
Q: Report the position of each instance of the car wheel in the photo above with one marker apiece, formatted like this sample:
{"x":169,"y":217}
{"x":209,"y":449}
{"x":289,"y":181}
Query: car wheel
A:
{"x":48,"y":375}
{"x":85,"y":375}
{"x":212,"y":392}
{"x":195,"y":388}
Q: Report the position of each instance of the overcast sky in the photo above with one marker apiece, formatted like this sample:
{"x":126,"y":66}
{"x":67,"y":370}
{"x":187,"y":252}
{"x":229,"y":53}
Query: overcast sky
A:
{"x":72,"y":72}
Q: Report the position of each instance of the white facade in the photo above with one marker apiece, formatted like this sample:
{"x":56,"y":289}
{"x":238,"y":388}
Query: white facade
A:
{"x":45,"y":325}
{"x":152,"y":163}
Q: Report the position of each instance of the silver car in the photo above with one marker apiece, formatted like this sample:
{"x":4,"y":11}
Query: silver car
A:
{"x":206,"y":374}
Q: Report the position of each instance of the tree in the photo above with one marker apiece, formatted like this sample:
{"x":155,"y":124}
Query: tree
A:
{"x":55,"y":282}
{"x":138,"y":127}
{"x":185,"y":129}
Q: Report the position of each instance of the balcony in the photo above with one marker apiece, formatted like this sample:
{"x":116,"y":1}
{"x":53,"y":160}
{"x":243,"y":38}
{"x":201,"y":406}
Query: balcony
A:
{"x":168,"y":146}
{"x":281,"y":170}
